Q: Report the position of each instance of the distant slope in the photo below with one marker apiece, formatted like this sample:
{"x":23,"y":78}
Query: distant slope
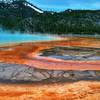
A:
{"x":19,"y":3}
{"x":34,"y":7}
{"x":24,"y":16}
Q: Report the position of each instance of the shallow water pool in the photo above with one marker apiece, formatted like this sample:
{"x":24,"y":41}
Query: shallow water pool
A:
{"x":17,"y":37}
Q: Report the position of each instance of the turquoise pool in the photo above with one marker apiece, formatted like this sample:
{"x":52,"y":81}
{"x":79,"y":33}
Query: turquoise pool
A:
{"x":17,"y":37}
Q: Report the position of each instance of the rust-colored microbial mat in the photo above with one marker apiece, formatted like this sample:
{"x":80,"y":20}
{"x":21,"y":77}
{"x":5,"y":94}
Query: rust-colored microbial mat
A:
{"x":68,"y":91}
{"x":27,"y":53}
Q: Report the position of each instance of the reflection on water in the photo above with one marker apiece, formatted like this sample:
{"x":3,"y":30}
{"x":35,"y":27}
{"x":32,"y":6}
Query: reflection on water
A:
{"x":72,"y":53}
{"x":68,"y":57}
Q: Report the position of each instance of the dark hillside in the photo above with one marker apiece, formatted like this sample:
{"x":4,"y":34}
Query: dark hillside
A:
{"x":17,"y":15}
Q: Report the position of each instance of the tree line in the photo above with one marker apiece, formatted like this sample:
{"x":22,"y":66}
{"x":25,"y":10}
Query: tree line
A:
{"x":18,"y":16}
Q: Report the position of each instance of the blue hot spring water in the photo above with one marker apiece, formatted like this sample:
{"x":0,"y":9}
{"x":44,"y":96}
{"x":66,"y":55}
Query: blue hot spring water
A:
{"x":7,"y":37}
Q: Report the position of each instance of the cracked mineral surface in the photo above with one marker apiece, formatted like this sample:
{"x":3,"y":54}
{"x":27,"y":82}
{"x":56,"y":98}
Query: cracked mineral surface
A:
{"x":18,"y":72}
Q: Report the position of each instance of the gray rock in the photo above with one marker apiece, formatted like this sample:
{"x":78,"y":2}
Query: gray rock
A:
{"x":15,"y":72}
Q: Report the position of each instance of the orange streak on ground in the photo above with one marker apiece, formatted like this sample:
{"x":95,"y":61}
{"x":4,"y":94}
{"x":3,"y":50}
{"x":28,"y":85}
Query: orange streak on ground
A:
{"x":64,"y":91}
{"x":21,"y":53}
{"x":13,"y":94}
{"x":53,"y":64}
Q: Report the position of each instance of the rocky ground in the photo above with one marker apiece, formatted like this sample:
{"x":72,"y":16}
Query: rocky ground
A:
{"x":47,"y":84}
{"x":24,"y":73}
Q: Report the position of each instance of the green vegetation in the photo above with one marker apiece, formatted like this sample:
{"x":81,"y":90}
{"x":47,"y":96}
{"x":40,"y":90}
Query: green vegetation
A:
{"x":18,"y":16}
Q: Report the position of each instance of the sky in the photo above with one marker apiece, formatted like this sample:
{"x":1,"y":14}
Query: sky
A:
{"x":60,"y":5}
